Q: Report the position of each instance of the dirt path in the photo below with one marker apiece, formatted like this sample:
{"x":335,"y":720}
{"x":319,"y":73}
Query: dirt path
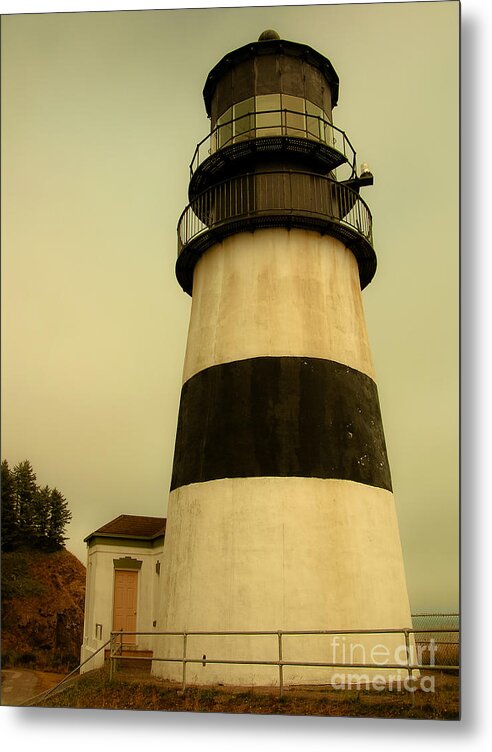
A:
{"x":20,"y":684}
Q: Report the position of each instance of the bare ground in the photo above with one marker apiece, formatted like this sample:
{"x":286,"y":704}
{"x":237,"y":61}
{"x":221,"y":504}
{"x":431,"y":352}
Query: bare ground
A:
{"x":96,"y":690}
{"x":21,"y":684}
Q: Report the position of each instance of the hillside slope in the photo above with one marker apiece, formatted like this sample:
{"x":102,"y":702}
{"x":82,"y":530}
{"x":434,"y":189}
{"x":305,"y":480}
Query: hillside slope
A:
{"x":42,"y":608}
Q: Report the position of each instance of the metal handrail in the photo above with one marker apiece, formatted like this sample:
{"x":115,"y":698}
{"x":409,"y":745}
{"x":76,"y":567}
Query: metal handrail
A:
{"x":409,"y":665}
{"x":333,"y":137}
{"x":278,"y":193}
{"x":288,"y":632}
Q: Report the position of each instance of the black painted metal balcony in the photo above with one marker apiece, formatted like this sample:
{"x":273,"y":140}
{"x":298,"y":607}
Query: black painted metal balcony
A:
{"x":275,"y":199}
{"x":270,"y":131}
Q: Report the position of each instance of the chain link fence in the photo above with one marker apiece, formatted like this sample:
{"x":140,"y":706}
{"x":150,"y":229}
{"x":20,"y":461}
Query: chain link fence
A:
{"x":440,"y":648}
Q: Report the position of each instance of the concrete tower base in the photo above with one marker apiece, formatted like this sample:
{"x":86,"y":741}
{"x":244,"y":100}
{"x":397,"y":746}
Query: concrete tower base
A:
{"x":252,"y":554}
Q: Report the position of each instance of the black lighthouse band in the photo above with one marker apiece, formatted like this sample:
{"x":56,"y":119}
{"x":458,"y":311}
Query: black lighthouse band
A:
{"x":278,"y":417}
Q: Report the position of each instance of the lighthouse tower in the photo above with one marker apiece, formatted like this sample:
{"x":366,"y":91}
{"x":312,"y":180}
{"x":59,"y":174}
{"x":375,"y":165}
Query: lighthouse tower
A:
{"x":281,"y":514}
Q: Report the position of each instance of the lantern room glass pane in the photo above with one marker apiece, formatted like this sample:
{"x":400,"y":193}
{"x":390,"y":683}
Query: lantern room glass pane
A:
{"x":295,"y":120}
{"x":268,"y":116}
{"x":313,"y":121}
{"x":225,"y":128}
{"x":329,"y":135}
{"x":213,"y":141}
{"x":244,"y":119}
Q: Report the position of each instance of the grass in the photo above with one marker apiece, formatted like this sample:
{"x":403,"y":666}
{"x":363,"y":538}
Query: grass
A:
{"x":96,"y":690}
{"x":55,"y":661}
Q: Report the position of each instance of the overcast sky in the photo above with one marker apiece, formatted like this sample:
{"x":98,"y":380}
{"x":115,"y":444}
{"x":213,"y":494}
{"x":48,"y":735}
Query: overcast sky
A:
{"x":101,"y":114}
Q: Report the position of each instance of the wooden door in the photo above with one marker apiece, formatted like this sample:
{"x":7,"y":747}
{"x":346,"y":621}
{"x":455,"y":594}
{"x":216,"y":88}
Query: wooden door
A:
{"x":125,"y":603}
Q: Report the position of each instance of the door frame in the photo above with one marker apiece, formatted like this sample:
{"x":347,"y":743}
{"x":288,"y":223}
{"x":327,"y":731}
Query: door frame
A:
{"x":127,"y":564}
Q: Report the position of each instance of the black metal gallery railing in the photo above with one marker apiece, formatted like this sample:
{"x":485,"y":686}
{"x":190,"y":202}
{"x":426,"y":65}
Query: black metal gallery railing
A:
{"x":275,"y":123}
{"x":281,"y":194}
{"x":275,"y":199}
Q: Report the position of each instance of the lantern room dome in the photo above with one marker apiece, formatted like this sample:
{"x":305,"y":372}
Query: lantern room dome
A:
{"x":268,"y":34}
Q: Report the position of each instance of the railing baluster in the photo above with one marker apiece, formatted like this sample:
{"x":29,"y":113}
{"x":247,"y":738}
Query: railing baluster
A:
{"x":280,"y":666}
{"x":409,"y":662}
{"x":184,"y":662}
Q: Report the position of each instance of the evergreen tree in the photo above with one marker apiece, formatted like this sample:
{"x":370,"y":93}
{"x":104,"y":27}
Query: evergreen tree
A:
{"x":25,"y":491}
{"x":10,"y":521}
{"x":60,"y":516}
{"x":41,"y":512}
{"x":33,"y":517}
